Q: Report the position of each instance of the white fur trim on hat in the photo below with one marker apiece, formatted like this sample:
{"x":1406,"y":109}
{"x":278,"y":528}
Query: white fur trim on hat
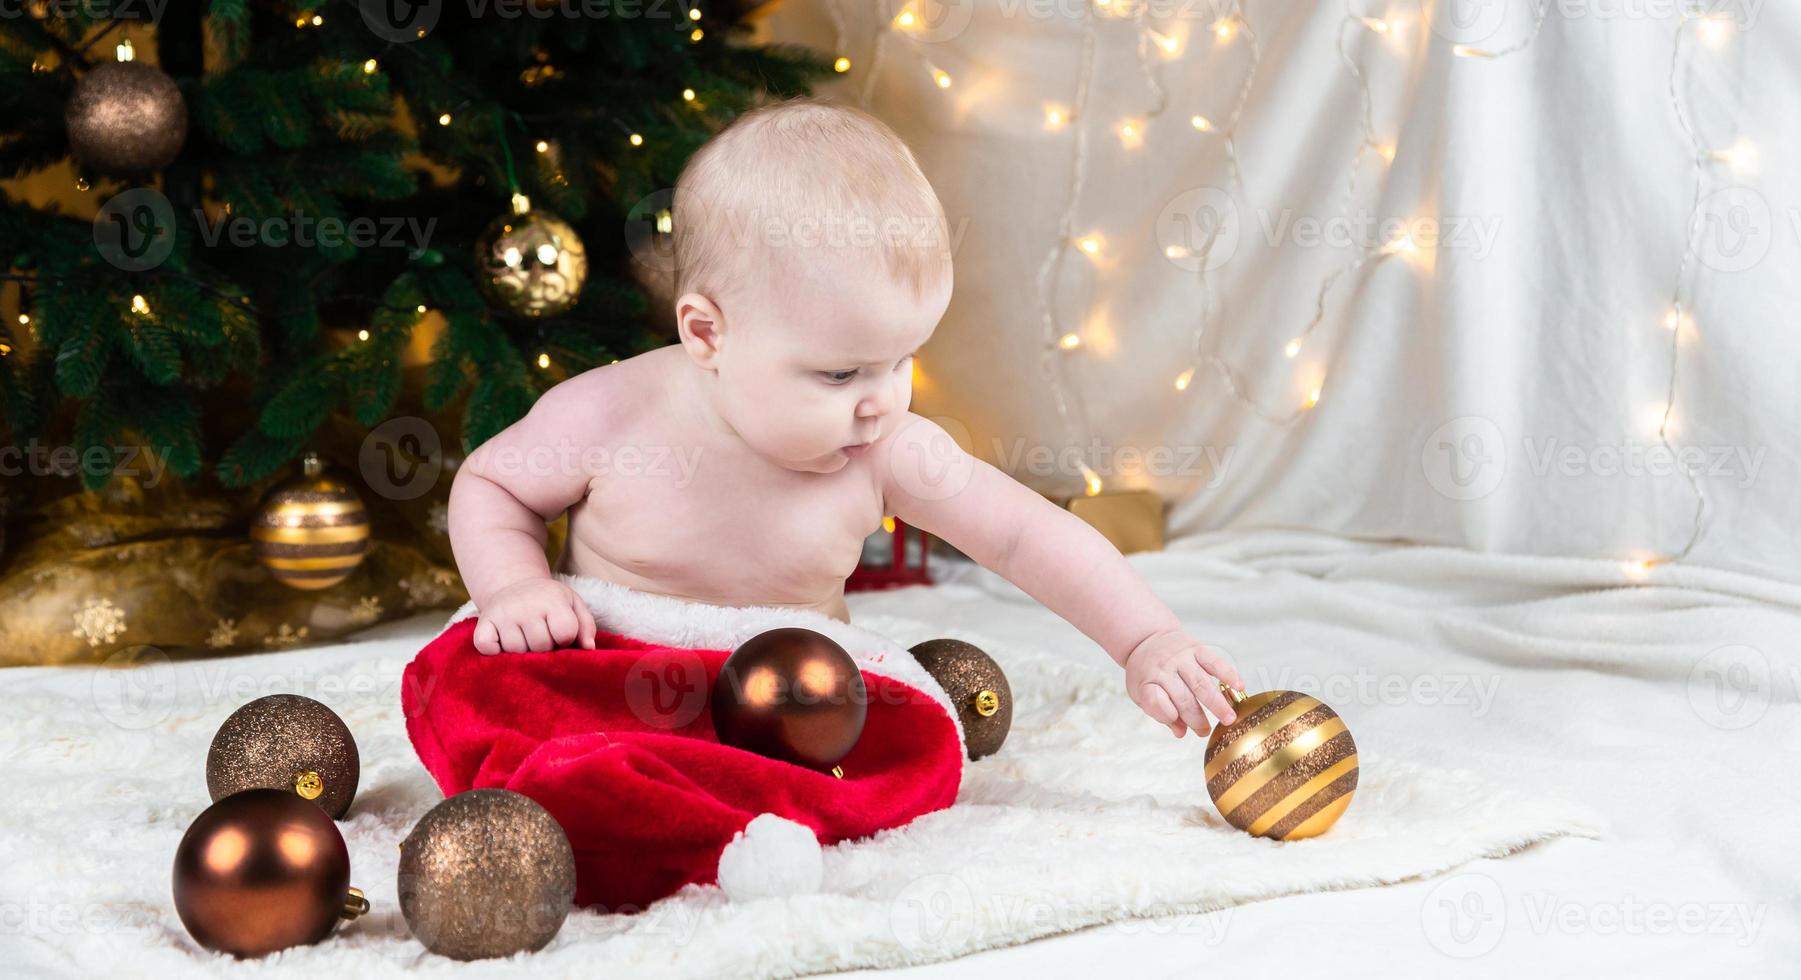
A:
{"x":771,"y":857}
{"x":669,"y":621}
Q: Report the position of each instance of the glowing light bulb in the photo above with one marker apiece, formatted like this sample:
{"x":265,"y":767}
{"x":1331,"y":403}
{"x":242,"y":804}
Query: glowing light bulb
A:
{"x":318,"y":20}
{"x":444,"y":119}
{"x":543,"y":360}
{"x":665,"y":221}
{"x":687,"y":95}
{"x":1201,"y":123}
{"x":888,"y":524}
{"x":1169,"y":45}
{"x":842,"y":65}
{"x":1471,"y":51}
{"x":1091,"y":481}
{"x":1225,"y":29}
{"x":24,"y":319}
{"x":941,"y":78}
{"x":1386,"y":151}
{"x":140,"y":305}
{"x":1638,"y":568}
{"x":1184,"y":378}
{"x":1069,"y":341}
{"x":362,"y":335}
{"x":124,"y":51}
{"x":1175,"y":252}
{"x":1401,"y":244}
{"x":1131,"y":134}
{"x":1678,"y":318}
{"x":420,"y":308}
{"x":1740,"y":156}
{"x":1055,"y":117}
{"x":1089,"y":244}
{"x":369,"y":67}
{"x":694,"y":13}
{"x":1312,"y":399}
{"x":1376,"y":24}
{"x":696,"y":34}
{"x":1660,"y":419}
{"x":1715,"y":29}
{"x":906,"y":19}
{"x":543,"y":147}
{"x":636,"y":139}
{"x":1293,"y":348}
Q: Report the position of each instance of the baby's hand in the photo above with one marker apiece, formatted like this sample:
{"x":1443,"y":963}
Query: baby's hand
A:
{"x":537,"y":614}
{"x":1171,"y":675}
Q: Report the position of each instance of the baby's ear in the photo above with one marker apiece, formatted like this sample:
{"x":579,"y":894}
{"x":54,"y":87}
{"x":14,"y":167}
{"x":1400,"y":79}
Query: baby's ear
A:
{"x":701,"y":326}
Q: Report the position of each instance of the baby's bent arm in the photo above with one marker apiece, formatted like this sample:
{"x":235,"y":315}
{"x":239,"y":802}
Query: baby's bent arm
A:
{"x":511,"y":486}
{"x":1052,"y":555}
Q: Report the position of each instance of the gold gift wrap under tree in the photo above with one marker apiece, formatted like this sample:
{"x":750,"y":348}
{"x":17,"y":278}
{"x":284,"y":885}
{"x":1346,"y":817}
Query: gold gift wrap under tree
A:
{"x":150,"y":563}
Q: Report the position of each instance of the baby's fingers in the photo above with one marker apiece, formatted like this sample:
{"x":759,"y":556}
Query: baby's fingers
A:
{"x":1158,"y":705}
{"x":487,"y":636}
{"x":1206,"y":690}
{"x":586,"y":618}
{"x":1219,"y":667}
{"x":1182,"y":695}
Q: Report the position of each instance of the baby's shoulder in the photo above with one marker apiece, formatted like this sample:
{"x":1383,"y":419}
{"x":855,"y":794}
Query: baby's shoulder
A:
{"x":611,"y":397}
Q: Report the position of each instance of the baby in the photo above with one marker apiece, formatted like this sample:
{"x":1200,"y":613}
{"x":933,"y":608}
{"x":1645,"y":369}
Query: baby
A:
{"x":745,"y":465}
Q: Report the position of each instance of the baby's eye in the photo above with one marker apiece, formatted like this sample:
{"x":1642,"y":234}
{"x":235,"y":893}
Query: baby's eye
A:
{"x":838,"y":377}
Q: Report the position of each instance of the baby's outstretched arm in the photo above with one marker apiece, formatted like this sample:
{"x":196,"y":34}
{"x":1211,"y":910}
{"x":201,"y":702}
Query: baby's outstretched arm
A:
{"x":503,"y":495}
{"x":1061,"y":561}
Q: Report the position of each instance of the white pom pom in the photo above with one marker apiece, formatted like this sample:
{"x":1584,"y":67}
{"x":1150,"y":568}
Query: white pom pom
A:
{"x":771,"y":857}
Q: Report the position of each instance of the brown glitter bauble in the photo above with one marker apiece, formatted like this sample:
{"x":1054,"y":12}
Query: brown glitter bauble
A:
{"x":1285,"y":769}
{"x":531,"y":263}
{"x":791,"y":694}
{"x":976,"y":685}
{"x":126,"y":119}
{"x":285,"y":742}
{"x":311,"y":532}
{"x":486,"y":873}
{"x":263,"y":870}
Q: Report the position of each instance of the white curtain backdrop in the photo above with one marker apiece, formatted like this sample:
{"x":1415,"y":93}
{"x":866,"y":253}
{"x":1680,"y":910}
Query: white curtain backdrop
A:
{"x":1499,"y":387}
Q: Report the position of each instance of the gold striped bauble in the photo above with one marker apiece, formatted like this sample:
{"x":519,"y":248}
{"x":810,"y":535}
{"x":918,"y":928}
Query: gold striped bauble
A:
{"x":1285,"y":769}
{"x":312,"y":532}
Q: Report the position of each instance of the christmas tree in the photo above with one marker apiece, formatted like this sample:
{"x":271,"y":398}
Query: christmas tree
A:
{"x":287,"y":199}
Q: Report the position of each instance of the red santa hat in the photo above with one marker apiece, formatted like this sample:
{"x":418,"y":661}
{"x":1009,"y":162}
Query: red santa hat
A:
{"x":618,"y":744}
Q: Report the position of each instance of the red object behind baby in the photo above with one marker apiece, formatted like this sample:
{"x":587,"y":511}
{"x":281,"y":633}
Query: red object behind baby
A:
{"x":618,"y":744}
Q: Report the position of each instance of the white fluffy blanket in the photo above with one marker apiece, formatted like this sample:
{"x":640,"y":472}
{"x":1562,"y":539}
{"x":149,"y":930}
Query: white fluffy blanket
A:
{"x":1091,"y":813}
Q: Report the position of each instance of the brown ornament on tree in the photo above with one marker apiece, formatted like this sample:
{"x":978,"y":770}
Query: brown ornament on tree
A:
{"x":531,"y":263}
{"x":286,"y":742}
{"x":1285,"y":769}
{"x":486,"y":873}
{"x":311,"y":532}
{"x":263,"y":870}
{"x":791,"y":694}
{"x":976,"y":685}
{"x":126,"y":118}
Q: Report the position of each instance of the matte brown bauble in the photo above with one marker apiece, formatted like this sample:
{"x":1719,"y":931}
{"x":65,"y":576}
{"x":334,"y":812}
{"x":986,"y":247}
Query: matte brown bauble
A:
{"x":285,"y":742}
{"x":1285,"y":769}
{"x":486,"y":873}
{"x":976,"y":685}
{"x":126,"y":119}
{"x":312,"y":531}
{"x":531,"y":263}
{"x":791,"y":694}
{"x":263,"y":870}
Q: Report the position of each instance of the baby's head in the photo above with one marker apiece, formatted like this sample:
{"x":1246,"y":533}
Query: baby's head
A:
{"x":812,"y":260}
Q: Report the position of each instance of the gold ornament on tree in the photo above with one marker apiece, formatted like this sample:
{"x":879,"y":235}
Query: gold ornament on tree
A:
{"x":976,"y":685}
{"x":286,"y":742}
{"x":531,"y":263}
{"x":311,"y":533}
{"x":1285,"y":769}
{"x":486,"y":873}
{"x":126,"y":118}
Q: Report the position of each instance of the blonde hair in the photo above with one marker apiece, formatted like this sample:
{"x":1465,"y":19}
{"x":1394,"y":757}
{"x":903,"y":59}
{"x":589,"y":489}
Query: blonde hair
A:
{"x":802,"y":175}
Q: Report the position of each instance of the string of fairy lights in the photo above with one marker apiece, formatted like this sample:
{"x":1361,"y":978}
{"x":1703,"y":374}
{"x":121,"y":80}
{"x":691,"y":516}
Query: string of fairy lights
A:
{"x":1230,"y":27}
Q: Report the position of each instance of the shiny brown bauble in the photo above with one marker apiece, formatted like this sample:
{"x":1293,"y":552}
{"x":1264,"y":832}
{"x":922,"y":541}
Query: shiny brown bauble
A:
{"x":791,"y":694}
{"x":1284,"y":769}
{"x":263,"y":870}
